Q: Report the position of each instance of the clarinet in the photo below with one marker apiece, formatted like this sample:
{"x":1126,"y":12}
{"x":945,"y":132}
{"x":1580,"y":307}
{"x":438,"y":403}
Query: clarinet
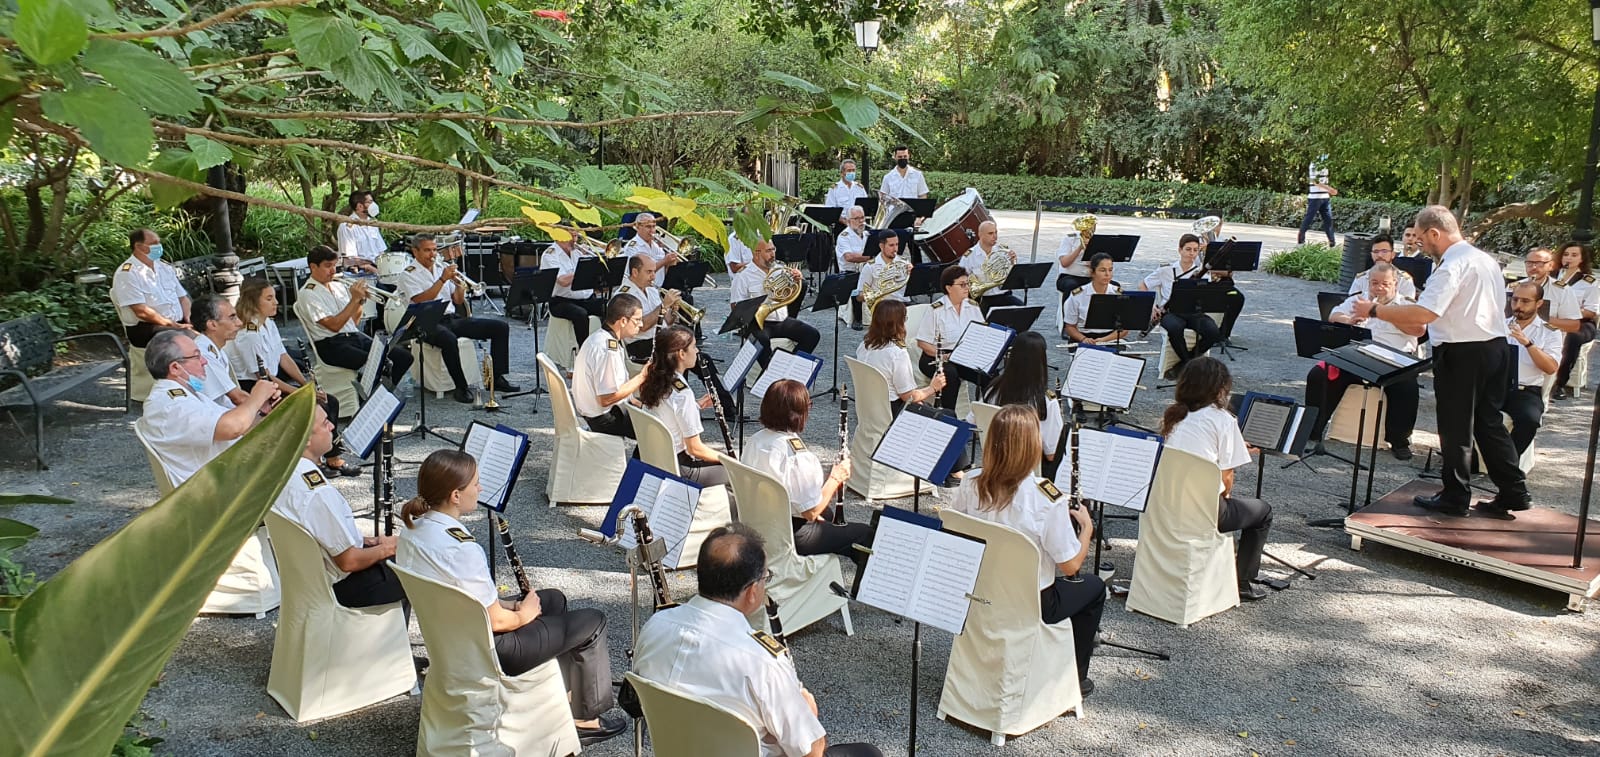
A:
{"x":1074,"y":500}
{"x":844,"y":447}
{"x":504,"y":527}
{"x":707,"y":371}
{"x":772,"y":619}
{"x":658,"y":574}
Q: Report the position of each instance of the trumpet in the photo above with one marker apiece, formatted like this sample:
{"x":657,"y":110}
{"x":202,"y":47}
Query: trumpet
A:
{"x":373,"y":291}
{"x":487,"y":363}
{"x":686,"y":311}
{"x":474,"y":289}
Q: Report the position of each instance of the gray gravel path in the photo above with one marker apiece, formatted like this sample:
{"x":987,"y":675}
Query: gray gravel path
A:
{"x":1386,"y":652}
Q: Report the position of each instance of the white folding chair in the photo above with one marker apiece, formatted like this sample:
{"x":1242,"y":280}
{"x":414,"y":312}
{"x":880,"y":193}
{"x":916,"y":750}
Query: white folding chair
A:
{"x":1183,"y":570}
{"x":340,"y":383}
{"x":871,"y":403}
{"x":328,"y":659}
{"x":586,"y":466}
{"x":140,"y":382}
{"x":1575,"y":384}
{"x":685,"y":725}
{"x":714,"y":509}
{"x":561,"y":341}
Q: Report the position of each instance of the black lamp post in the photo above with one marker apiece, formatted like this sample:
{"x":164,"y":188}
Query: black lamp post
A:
{"x":867,"y":40}
{"x":1583,"y":234}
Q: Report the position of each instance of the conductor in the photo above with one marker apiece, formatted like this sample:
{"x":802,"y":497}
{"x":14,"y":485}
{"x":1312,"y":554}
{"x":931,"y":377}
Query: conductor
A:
{"x":1462,"y":307}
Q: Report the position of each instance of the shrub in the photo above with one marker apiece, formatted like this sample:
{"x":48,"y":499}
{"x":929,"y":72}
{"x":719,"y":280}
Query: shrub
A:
{"x":1312,"y":262}
{"x":71,"y":309}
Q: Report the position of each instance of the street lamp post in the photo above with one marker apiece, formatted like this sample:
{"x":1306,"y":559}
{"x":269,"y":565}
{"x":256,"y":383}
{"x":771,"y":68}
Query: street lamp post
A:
{"x":1583,"y":233}
{"x":867,"y":40}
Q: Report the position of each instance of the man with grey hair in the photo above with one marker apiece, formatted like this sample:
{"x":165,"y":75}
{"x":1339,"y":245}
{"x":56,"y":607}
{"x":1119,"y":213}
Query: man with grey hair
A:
{"x":644,"y":242}
{"x":186,"y":429}
{"x":1326,"y":384}
{"x":851,"y":250}
{"x":216,"y":325}
{"x":844,"y":193}
{"x":1463,"y":307}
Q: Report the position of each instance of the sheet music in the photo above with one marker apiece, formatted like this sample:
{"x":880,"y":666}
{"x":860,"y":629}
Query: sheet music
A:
{"x":1264,"y":424}
{"x":740,"y":367}
{"x":980,"y":346}
{"x":786,"y":365}
{"x":369,"y":369}
{"x":1103,"y":377}
{"x":1112,"y":468}
{"x":367,"y":425}
{"x":921,"y":573}
{"x":1396,"y":359}
{"x":1294,"y":429}
{"x":496,"y":452}
{"x":914,"y":444}
{"x":670,"y":506}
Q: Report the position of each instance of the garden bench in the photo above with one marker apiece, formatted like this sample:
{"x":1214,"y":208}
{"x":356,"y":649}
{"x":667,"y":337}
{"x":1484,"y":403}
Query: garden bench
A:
{"x":29,"y":375}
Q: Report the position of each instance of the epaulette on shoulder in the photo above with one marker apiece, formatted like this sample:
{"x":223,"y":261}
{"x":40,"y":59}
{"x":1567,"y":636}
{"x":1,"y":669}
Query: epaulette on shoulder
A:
{"x":1049,"y":488}
{"x":679,"y":385}
{"x":313,"y":478}
{"x":1588,"y":279}
{"x":938,"y":305}
{"x":1077,"y":291}
{"x":127,"y":266}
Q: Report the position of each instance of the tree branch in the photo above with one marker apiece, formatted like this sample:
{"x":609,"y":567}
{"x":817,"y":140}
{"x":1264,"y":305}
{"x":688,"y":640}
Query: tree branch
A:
{"x":234,"y":61}
{"x":210,"y":21}
{"x":355,"y":115}
{"x":1588,"y":61}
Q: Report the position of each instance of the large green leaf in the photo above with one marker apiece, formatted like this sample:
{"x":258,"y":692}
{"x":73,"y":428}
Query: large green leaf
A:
{"x":321,"y":39}
{"x":414,"y":43}
{"x":116,"y":127}
{"x":174,"y":162}
{"x":87,"y":644}
{"x":207,"y":152}
{"x":858,"y":110}
{"x":15,"y":533}
{"x":10,"y":498}
{"x":794,"y":82}
{"x":472,"y":13}
{"x":49,"y":31}
{"x":151,"y":80}
{"x":505,"y":54}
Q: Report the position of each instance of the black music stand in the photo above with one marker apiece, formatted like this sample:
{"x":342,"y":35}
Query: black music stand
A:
{"x":1311,"y":339}
{"x":925,"y":280}
{"x":1233,"y":255}
{"x":831,"y":295}
{"x":1373,"y":372}
{"x":685,"y":277}
{"x":616,"y":269}
{"x":590,"y":274}
{"x":742,"y":315}
{"x":1419,"y":266}
{"x":420,"y":318}
{"x":1026,"y":277}
{"x":1327,"y":301}
{"x":793,"y":249}
{"x":1198,"y":296}
{"x":1119,"y":246}
{"x":1113,"y":312}
{"x":1018,"y":318}
{"x":827,"y":215}
{"x":538,"y":286}
{"x":1286,"y":445}
{"x":921,"y":207}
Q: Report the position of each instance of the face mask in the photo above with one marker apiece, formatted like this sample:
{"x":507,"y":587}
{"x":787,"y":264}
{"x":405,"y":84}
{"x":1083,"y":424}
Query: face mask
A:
{"x":372,"y":210}
{"x":197,"y":385}
{"x":155,"y":252}
{"x":902,"y":162}
{"x":850,"y":176}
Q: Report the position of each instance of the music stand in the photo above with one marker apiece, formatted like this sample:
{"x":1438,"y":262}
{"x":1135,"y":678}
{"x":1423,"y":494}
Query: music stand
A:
{"x":615,"y":271}
{"x":1113,"y":312}
{"x":1287,"y":426}
{"x":1027,"y":277}
{"x":1419,"y":266}
{"x":827,"y":215}
{"x":1233,"y":255}
{"x":1359,"y":360}
{"x":832,"y":294}
{"x":1018,"y":318}
{"x":686,"y":276}
{"x":925,"y":280}
{"x":1311,"y":338}
{"x":1119,"y":246}
{"x":420,"y":318}
{"x":538,"y":286}
{"x":793,"y":248}
{"x":742,"y":315}
{"x":1327,"y":301}
{"x":590,"y":274}
{"x":921,"y":207}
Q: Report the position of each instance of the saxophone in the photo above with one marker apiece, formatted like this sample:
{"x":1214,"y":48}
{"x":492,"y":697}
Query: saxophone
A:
{"x":893,"y":279}
{"x":782,"y":286}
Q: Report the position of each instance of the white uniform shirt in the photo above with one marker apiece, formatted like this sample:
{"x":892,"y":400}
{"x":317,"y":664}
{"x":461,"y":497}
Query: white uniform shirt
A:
{"x":356,"y":240}
{"x":652,"y":250}
{"x":219,"y":371}
{"x":419,"y":278}
{"x":738,"y":252}
{"x":1466,"y":290}
{"x":257,"y":341}
{"x":842,"y":195}
{"x":179,"y":426}
{"x":679,"y":413}
{"x":892,"y":361}
{"x":973,"y":261}
{"x":1049,"y":428}
{"x":1383,"y":332}
{"x":1076,"y":309}
{"x":1211,"y":433}
{"x":785,"y":456}
{"x":316,"y":506}
{"x":1573,"y":298}
{"x":911,"y":185}
{"x":746,"y":285}
{"x":1544,"y":338}
{"x":707,"y":649}
{"x":1161,"y":279}
{"x":1405,"y":286}
{"x":601,"y":368}
{"x":1038,"y":509}
{"x":649,"y":299}
{"x":555,"y":257}
{"x":437,"y":546}
{"x":852,"y":242}
{"x":326,"y":301}
{"x":156,"y":287}
{"x":871,"y":270}
{"x":944,"y":325}
{"x":1070,"y":244}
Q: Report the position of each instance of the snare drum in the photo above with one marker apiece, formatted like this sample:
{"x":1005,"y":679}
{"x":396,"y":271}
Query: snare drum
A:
{"x":953,"y":227}
{"x":391,"y":265}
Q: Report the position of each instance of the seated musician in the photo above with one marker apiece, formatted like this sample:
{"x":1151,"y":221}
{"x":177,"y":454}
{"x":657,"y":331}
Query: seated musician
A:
{"x":1198,"y":422}
{"x":573,"y":306}
{"x":887,"y":257}
{"x":659,"y":307}
{"x":1072,"y":269}
{"x":1005,"y":491}
{"x":1075,"y":311}
{"x":1325,"y":384}
{"x":943,"y":326}
{"x":527,"y":633}
{"x":884,"y":348}
{"x":360,"y":244}
{"x":215,"y":325}
{"x":1025,"y":380}
{"x":666,"y":393}
{"x":1538,"y":346}
{"x":185,"y":428}
{"x":850,"y":248}
{"x":148,"y":295}
{"x":780,"y":324}
{"x":430,"y":279}
{"x":334,"y":310}
{"x":600,"y":373}
{"x":988,"y":239}
{"x":1574,"y":310}
{"x":705,"y":648}
{"x":778,"y":450}
{"x":844,"y":192}
{"x":1410,"y":242}
{"x":644,"y":243}
{"x":1160,"y":281}
{"x":1383,"y":252}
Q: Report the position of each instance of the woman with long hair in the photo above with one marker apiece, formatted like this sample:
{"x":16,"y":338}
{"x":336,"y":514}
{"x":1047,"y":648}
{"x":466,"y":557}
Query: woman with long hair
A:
{"x":1581,"y":301}
{"x":884,"y":348}
{"x":666,"y":393}
{"x":1025,"y":380}
{"x":1198,"y":422}
{"x":1006,"y":492}
{"x":260,"y":344}
{"x":528,"y":632}
{"x":938,"y":333}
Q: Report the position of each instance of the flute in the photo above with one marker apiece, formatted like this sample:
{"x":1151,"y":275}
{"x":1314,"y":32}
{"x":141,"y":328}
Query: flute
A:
{"x":844,"y":447}
{"x":504,"y":527}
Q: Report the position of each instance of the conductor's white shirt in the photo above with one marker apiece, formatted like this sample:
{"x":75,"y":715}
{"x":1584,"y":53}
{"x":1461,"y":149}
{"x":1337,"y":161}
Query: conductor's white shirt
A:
{"x":652,"y":250}
{"x":1076,"y":309}
{"x":850,"y":242}
{"x":872,"y":269}
{"x":180,"y":427}
{"x":437,"y":546}
{"x":1038,"y":509}
{"x":679,"y":413}
{"x":419,"y":278}
{"x":786,"y":458}
{"x":565,"y":264}
{"x":892,"y":361}
{"x":310,"y":502}
{"x":909,"y":186}
{"x":1161,"y":279}
{"x":843,"y":195}
{"x":325,"y":301}
{"x":156,"y":287}
{"x":1467,"y":292}
{"x":257,"y":341}
{"x":650,"y":300}
{"x":219,"y":371}
{"x":1544,"y":338}
{"x":601,"y":368}
{"x":944,"y":324}
{"x":1211,"y":433}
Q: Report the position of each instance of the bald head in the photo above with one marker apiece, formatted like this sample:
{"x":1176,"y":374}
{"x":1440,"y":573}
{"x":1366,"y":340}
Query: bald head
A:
{"x":732,"y":558}
{"x":988,"y":234}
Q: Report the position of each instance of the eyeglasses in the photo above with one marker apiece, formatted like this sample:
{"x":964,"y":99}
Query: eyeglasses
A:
{"x":187,"y":358}
{"x":767,"y":579}
{"x":962,"y":285}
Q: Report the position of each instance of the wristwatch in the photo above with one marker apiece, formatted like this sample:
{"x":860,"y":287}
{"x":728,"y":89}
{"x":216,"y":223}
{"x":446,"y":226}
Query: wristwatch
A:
{"x":1374,"y":313}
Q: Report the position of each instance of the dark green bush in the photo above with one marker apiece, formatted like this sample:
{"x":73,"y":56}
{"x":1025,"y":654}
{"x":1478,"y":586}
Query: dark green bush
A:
{"x":71,"y":309}
{"x":1312,"y":262}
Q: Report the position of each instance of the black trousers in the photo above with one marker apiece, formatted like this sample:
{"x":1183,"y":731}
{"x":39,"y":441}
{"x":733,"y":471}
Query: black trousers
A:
{"x":998,"y":300}
{"x":1234,"y":308}
{"x":804,"y":336}
{"x":1525,"y":405}
{"x":140,"y":334}
{"x":1400,"y":404}
{"x":371,"y":586}
{"x":702,"y":472}
{"x":614,"y":422}
{"x":444,"y":337}
{"x":852,"y":750}
{"x":1067,"y":282}
{"x":576,"y":639}
{"x":1471,"y":381}
{"x":1569,"y":351}
{"x":349,"y":350}
{"x":822,"y":537}
{"x":1252,"y":518}
{"x":1083,"y":599}
{"x":577,"y":312}
{"x":1207,"y":334}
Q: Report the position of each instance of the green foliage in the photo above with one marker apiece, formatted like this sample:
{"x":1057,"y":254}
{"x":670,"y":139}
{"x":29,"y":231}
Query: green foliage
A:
{"x":15,"y":581}
{"x":71,"y":309}
{"x":1312,"y":262}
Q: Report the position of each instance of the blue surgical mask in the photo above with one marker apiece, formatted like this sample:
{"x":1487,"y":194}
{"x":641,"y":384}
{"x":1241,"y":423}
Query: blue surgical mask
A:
{"x":198,"y":385}
{"x":850,"y":176}
{"x":156,"y":252}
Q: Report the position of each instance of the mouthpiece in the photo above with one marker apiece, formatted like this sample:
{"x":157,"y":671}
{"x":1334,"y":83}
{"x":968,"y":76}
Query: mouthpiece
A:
{"x":594,"y":537}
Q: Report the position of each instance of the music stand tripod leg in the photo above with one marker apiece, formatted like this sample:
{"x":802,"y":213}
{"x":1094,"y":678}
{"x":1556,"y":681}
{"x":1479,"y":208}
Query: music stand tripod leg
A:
{"x":833,"y":390}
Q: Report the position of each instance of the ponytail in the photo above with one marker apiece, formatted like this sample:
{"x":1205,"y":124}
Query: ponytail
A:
{"x":1203,"y":382}
{"x":441,"y":475}
{"x":414,"y":508}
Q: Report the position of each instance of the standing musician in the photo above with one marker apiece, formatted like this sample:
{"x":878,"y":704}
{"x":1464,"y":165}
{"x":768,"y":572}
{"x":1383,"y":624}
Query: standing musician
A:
{"x":888,"y":250}
{"x":903,"y":181}
{"x":851,"y":250}
{"x":1410,"y":242}
{"x":747,"y":284}
{"x":666,"y":393}
{"x":1005,"y":491}
{"x":600,"y":373}
{"x":659,"y":307}
{"x":357,"y":566}
{"x":843,"y":194}
{"x":1160,"y":281}
{"x":527,"y":633}
{"x":148,"y":295}
{"x":705,"y":647}
{"x":1579,"y":302}
{"x":938,"y":333}
{"x":1025,"y":381}
{"x":430,"y":279}
{"x":1198,"y":422}
{"x":645,"y":243}
{"x":884,"y":348}
{"x":1075,"y":311}
{"x":1538,"y":347}
{"x":1325,"y":384}
{"x":334,"y":312}
{"x":1463,"y":307}
{"x":778,"y":450}
{"x":988,"y":237}
{"x":184,"y":428}
{"x":1383,"y":252}
{"x":359,"y":244}
{"x":260,"y":344}
{"x":574,"y":306}
{"x":738,"y":257}
{"x":1072,"y":269}
{"x":215,"y":324}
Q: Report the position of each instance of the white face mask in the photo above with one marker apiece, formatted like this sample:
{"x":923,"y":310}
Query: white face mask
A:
{"x":372,"y":209}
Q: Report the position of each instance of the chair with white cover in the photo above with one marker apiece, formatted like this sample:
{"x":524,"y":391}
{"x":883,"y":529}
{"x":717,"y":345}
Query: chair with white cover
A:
{"x":250,"y":585}
{"x":140,"y":382}
{"x":685,"y":725}
{"x":799,"y":584}
{"x":469,"y":705}
{"x":1346,"y":421}
{"x":714,"y":509}
{"x":984,"y":413}
{"x":328,"y":659}
{"x":340,"y":383}
{"x":1183,"y":570}
{"x":428,"y":369}
{"x":1575,"y":383}
{"x":870,"y":399}
{"x":585,"y":466}
{"x":561,"y":341}
{"x":1010,"y":672}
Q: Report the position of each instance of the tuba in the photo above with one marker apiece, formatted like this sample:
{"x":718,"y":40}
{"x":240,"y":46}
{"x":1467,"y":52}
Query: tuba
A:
{"x":889,"y":208}
{"x":893,"y":279}
{"x":1207,"y":228}
{"x":781,"y":287}
{"x":1085,"y":225}
{"x":783,"y":210}
{"x":996,"y":267}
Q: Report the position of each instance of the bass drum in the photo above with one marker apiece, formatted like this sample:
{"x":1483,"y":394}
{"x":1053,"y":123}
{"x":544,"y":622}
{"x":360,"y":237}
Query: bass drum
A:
{"x":391,"y":265}
{"x":393,"y":309}
{"x":953,"y":227}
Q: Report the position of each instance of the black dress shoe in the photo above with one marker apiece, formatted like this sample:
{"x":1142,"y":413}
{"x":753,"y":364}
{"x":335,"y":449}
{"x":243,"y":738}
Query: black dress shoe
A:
{"x":1402,"y":452}
{"x":1438,"y":504}
{"x":1252,"y":593}
{"x":503,"y":384}
{"x":462,"y":395}
{"x":1559,"y":393}
{"x":1512,"y":504}
{"x":611,"y":724}
{"x":1085,"y":686}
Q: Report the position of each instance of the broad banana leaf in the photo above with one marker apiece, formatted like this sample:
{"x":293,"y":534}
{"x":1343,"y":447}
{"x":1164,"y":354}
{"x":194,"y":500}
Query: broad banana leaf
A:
{"x":87,"y":644}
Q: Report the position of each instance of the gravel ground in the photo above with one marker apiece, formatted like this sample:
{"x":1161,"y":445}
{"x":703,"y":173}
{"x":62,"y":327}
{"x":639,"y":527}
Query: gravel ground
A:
{"x":1386,"y":652}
